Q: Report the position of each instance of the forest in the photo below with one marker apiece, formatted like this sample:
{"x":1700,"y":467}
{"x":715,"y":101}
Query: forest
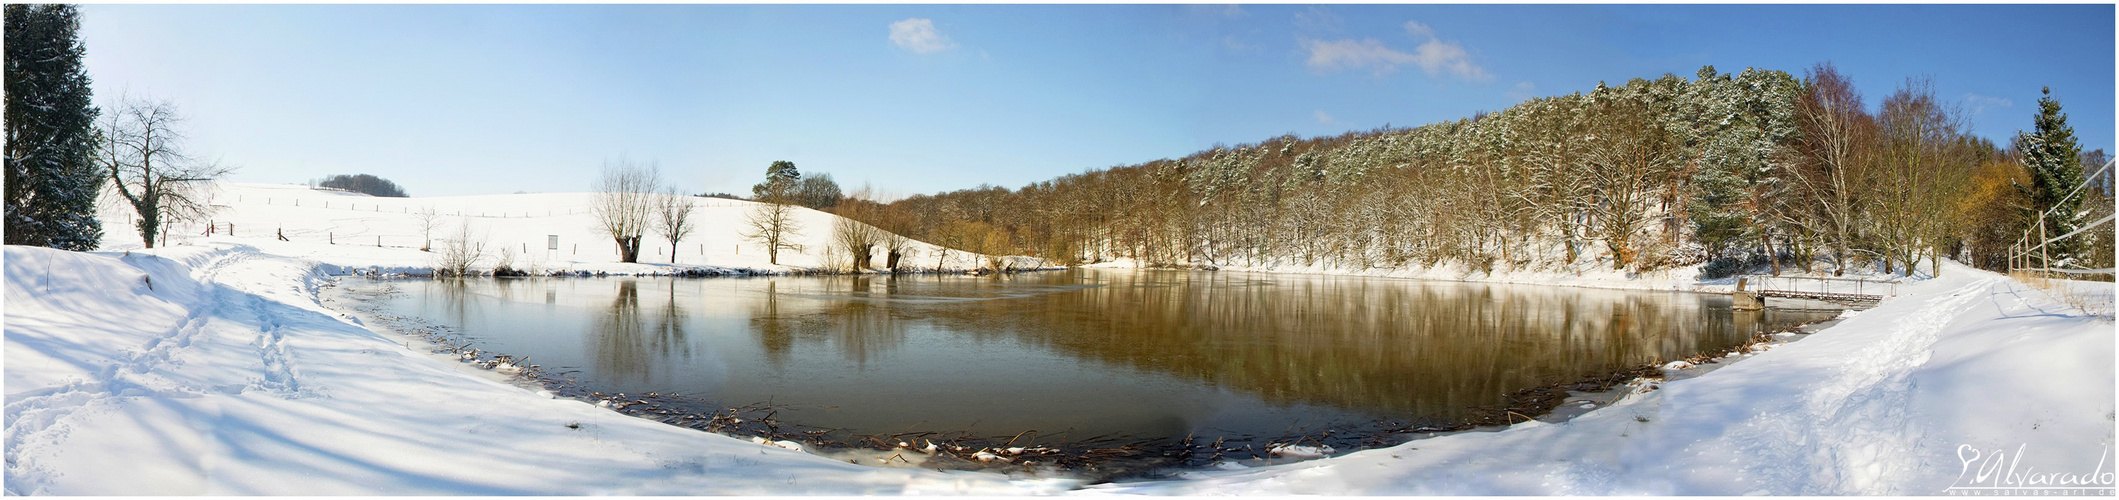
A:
{"x":1757,"y":169}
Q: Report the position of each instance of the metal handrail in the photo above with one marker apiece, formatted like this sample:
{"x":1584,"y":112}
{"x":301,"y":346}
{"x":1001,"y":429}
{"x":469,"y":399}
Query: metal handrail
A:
{"x":1861,"y":285}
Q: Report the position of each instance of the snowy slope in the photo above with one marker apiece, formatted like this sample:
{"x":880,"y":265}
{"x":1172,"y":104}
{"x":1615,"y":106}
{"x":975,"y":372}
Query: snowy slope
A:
{"x":345,"y":229}
{"x":227,"y":377}
{"x":1879,"y":404}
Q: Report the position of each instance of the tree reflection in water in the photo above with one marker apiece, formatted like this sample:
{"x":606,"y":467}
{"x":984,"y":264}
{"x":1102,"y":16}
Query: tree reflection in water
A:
{"x":1149,"y":353}
{"x":854,"y":318}
{"x":1393,"y":347}
{"x":624,"y":339}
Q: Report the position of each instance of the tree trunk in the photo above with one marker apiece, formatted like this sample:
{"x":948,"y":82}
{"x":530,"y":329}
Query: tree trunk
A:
{"x":1839,"y":259}
{"x":1771,"y":256}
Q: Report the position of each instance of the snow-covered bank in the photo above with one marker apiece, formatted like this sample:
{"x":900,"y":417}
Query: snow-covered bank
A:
{"x":1911,"y":398}
{"x":1585,"y":275}
{"x":213,"y":370}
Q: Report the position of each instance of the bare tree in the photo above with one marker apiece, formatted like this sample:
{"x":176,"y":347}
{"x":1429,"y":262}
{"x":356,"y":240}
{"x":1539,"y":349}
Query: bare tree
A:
{"x":1923,"y":160}
{"x":857,"y":240}
{"x":772,"y":221}
{"x":143,"y":151}
{"x":1630,"y":156}
{"x":854,"y":237}
{"x":459,"y":255}
{"x":428,"y":220}
{"x":896,"y":245}
{"x":1834,"y":134}
{"x":624,"y":202}
{"x":673,"y":218}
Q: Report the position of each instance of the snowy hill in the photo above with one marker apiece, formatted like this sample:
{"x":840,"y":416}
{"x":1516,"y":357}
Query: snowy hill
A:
{"x":354,"y":230}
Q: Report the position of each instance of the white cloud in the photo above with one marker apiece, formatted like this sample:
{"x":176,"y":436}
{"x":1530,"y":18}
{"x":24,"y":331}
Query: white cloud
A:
{"x":1980,"y":103}
{"x":1318,"y":20}
{"x":1433,"y":57}
{"x":1523,"y":91}
{"x":1418,"y":30}
{"x":1324,"y":118}
{"x":918,"y":34}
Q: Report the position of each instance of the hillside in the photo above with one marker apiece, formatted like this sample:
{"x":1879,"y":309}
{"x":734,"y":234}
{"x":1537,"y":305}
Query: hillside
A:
{"x":357,"y":231}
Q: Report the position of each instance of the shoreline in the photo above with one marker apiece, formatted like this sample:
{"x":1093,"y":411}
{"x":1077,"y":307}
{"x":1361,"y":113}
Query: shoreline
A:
{"x":1604,"y":279}
{"x":1114,"y":460}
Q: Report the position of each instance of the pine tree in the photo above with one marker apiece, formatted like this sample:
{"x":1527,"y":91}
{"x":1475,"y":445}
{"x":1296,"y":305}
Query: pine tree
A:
{"x":52,"y":181}
{"x":780,"y":181}
{"x":2054,"y":160}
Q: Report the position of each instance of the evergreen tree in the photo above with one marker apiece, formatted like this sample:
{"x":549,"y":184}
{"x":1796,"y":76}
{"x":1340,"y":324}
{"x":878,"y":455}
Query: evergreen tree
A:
{"x":780,"y":179}
{"x":2053,"y":158}
{"x":52,"y":180}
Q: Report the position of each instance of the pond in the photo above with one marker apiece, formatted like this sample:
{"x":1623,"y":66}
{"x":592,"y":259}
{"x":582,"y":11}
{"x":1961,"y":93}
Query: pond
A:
{"x":1074,"y":356}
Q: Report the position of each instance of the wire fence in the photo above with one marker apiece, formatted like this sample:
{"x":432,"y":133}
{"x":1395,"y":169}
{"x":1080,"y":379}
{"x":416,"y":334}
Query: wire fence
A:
{"x":2033,"y":252}
{"x":306,"y":216}
{"x":2066,"y":278}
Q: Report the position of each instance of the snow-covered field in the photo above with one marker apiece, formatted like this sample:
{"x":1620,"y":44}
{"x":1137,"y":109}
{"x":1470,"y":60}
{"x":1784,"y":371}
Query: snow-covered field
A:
{"x":355,"y":231}
{"x":212,"y":368}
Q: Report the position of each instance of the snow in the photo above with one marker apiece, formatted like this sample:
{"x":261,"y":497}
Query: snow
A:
{"x":211,"y":368}
{"x":227,"y":377}
{"x":342,"y":230}
{"x":1879,"y":404}
{"x":1596,"y":274}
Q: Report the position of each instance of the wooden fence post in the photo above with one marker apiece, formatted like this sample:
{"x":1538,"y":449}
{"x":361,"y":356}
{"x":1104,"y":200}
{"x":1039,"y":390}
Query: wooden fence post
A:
{"x":2045,"y":248}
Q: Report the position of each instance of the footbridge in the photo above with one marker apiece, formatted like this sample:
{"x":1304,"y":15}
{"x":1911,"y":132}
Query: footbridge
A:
{"x":1858,"y":293}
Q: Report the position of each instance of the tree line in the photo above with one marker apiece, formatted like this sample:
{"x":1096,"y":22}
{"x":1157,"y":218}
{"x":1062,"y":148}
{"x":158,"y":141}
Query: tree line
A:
{"x":1757,"y":168}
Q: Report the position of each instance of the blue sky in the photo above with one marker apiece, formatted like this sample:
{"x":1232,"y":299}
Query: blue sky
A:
{"x":448,"y":100}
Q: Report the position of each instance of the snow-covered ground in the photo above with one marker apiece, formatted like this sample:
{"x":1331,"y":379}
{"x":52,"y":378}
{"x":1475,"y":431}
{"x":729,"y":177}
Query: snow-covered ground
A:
{"x":212,"y":368}
{"x":1911,"y":398}
{"x":349,"y":231}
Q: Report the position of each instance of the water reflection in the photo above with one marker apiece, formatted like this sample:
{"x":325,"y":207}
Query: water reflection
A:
{"x":630,"y":345}
{"x":1142,"y":353}
{"x":1404,"y":348}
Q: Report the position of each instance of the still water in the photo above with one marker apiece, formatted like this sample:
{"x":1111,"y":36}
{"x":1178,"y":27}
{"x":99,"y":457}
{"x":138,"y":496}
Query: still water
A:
{"x":1078,"y":353}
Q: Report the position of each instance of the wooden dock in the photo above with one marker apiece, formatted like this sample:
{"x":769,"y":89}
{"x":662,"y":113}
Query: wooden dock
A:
{"x":1858,"y":293}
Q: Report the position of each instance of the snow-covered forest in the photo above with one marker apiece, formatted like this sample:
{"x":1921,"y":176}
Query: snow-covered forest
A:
{"x":1721,"y":169}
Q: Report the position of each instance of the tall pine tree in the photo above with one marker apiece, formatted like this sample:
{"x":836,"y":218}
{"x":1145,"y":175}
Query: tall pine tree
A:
{"x":2056,"y":168}
{"x":52,"y":180}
